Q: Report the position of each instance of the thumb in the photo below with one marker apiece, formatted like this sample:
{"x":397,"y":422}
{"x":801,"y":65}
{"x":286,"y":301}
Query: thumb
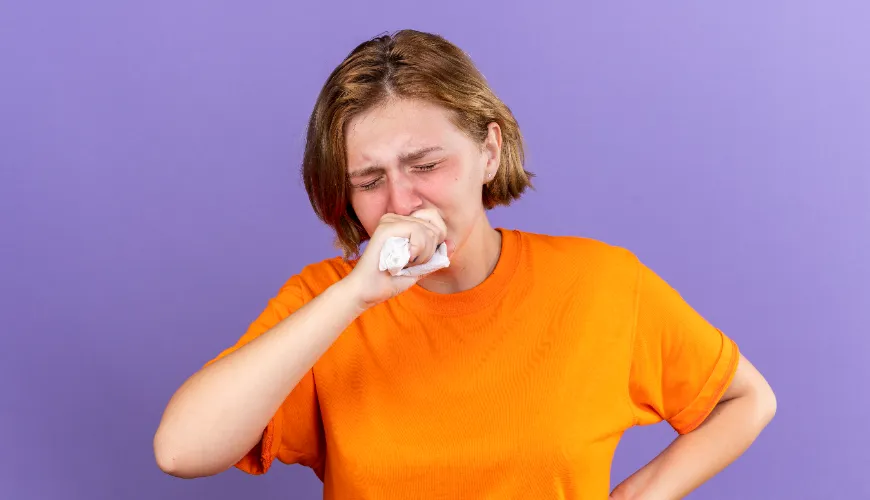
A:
{"x":402,"y":283}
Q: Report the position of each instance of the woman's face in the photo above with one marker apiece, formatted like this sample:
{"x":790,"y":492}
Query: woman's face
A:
{"x":406,"y":155}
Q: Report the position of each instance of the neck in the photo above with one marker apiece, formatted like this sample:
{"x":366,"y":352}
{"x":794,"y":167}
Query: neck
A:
{"x":470,"y":264}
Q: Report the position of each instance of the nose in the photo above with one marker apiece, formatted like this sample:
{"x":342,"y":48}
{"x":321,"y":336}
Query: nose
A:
{"x":404,"y":198}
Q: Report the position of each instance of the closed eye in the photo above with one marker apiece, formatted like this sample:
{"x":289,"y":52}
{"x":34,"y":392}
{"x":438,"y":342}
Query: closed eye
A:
{"x":375,"y":182}
{"x":370,"y":184}
{"x":425,"y":168}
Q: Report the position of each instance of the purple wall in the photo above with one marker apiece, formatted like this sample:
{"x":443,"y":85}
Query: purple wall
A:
{"x":150,"y":205}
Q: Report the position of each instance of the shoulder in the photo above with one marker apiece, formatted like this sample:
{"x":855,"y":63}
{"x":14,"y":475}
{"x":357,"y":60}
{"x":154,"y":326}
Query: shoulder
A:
{"x":579,"y":261}
{"x":313,"y":279}
{"x":566,"y":249}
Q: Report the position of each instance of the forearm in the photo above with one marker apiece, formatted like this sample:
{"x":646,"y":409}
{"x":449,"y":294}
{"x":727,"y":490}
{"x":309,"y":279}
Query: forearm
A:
{"x":220,"y":412}
{"x":693,"y":458}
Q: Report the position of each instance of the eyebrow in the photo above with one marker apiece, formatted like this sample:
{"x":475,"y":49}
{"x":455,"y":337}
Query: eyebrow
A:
{"x":416,"y":155}
{"x":403,"y":158}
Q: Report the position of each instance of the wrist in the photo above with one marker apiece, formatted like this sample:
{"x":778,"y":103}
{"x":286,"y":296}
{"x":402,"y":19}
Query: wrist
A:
{"x":347,"y":293}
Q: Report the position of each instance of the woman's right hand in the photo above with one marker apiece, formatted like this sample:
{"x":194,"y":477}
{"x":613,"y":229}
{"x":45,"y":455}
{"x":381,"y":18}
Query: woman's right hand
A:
{"x":370,"y":286}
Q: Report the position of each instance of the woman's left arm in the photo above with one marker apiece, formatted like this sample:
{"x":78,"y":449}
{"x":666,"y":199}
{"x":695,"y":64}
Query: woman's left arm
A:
{"x":745,"y":409}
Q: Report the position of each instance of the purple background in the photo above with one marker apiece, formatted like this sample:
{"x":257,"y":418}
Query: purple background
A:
{"x":150,"y":205}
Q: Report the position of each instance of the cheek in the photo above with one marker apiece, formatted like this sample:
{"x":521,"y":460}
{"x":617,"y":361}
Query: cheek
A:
{"x":448,"y":185}
{"x":369,"y":208}
{"x":454,"y":192}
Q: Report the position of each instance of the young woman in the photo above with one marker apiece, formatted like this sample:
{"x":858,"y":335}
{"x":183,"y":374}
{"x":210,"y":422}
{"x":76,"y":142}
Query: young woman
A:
{"x":511,"y":373}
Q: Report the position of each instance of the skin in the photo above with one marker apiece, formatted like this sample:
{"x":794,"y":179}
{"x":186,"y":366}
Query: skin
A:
{"x":406,"y":157}
{"x":415,"y":175}
{"x":745,"y":409}
{"x":215,"y":418}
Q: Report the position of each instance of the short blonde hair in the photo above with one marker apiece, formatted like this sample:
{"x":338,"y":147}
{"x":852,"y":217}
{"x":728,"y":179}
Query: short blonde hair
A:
{"x":413,"y":65}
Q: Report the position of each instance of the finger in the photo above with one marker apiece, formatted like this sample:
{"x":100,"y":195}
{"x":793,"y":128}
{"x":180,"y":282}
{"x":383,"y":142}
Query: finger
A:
{"x":423,"y":241}
{"x":432,"y":217}
{"x":395,"y":224}
{"x":406,"y":225}
{"x":402,"y":283}
{"x":422,"y":244}
{"x":424,"y":237}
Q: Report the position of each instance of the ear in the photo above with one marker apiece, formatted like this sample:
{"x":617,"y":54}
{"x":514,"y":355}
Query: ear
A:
{"x":492,"y":152}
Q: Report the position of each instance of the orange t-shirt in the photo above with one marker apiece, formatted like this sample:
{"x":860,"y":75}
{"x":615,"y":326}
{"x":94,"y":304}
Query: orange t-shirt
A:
{"x":518,"y":388}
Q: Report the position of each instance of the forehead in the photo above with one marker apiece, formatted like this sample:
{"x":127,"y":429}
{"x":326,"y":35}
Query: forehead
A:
{"x":386,"y":131}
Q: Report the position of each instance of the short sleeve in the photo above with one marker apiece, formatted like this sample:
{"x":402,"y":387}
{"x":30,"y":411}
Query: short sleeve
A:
{"x":295,"y":432}
{"x":681,"y":364}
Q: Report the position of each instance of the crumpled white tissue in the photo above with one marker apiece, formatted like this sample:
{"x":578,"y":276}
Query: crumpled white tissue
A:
{"x":396,"y":253}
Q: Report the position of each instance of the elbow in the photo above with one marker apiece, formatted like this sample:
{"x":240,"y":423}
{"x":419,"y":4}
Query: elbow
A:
{"x":760,"y":398}
{"x":767,"y":405}
{"x":761,"y":404}
{"x":166,"y":458}
{"x":171,"y":462}
{"x":168,"y":465}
